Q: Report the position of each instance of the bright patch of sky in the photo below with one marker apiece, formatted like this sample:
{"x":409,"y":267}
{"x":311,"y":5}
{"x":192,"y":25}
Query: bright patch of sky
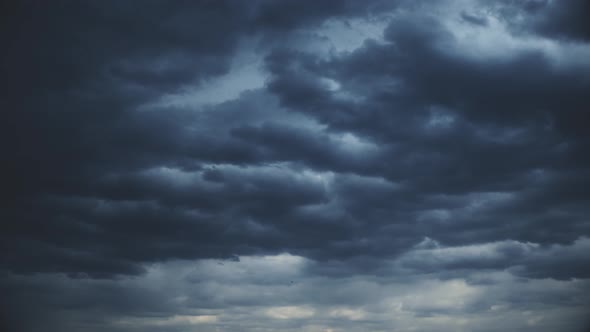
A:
{"x":348,"y":35}
{"x":493,"y":39}
{"x":246,"y":73}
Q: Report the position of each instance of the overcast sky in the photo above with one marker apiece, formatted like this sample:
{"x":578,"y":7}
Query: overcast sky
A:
{"x":294,"y":165}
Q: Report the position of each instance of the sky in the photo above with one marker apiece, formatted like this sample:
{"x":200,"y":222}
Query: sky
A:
{"x":295,"y":165}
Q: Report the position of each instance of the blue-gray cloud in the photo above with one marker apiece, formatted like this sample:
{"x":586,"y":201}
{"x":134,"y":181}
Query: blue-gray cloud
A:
{"x":435,"y":170}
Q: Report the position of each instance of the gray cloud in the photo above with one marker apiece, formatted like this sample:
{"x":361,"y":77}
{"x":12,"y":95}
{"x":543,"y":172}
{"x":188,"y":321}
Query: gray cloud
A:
{"x":425,"y":159}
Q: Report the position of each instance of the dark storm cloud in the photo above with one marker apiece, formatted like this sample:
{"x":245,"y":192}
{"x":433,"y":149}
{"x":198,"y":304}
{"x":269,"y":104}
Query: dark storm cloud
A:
{"x":555,"y":19}
{"x":272,"y":15}
{"x":444,"y":124}
{"x":284,"y":143}
{"x":449,"y":146}
{"x":457,"y":127}
{"x":567,"y":19}
{"x":76,"y":71}
{"x":525,"y":259}
{"x":75,"y":138}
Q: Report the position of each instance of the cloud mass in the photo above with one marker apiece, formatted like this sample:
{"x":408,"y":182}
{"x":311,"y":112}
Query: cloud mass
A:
{"x":295,"y":166}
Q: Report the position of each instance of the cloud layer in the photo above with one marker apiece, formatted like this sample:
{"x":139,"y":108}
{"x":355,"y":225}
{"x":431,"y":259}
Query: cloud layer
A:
{"x":295,"y":166}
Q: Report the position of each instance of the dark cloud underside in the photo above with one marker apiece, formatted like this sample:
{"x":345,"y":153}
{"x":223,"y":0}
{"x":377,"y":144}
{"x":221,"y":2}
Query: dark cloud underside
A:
{"x":188,"y":155}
